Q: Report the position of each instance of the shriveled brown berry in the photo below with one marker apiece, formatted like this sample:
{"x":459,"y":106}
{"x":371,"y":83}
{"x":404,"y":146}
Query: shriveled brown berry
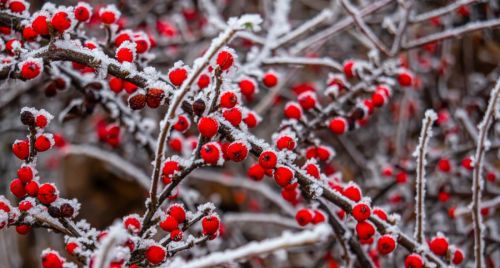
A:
{"x":137,"y":101}
{"x":27,"y":118}
{"x":199,"y":107}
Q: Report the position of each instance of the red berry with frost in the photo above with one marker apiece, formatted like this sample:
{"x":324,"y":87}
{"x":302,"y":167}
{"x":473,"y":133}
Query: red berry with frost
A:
{"x":210,"y":153}
{"x":319,"y":217}
{"x":155,"y":254}
{"x":170,"y":167}
{"x":228,"y":99}
{"x":17,"y":188}
{"x":361,"y":211}
{"x":61,"y":21}
{"x":380,"y":213}
{"x":30,"y":69}
{"x":47,"y":194}
{"x":125,"y":53}
{"x":182,"y":123}
{"x":29,"y":34}
{"x":225,"y":60}
{"x":304,"y":216}
{"x":132,"y":224}
{"x":283,"y":176}
{"x":256,"y":172}
{"x":414,"y":261}
{"x":137,"y":101}
{"x":338,"y":125}
{"x":25,"y":174}
{"x":41,"y":121}
{"x":178,"y":212}
{"x":71,"y":247}
{"x":21,"y":149}
{"x":285,"y":142}
{"x":82,"y":12}
{"x":210,"y":224}
{"x":386,"y":244}
{"x":405,"y":79}
{"x":23,"y":229}
{"x":312,"y":170}
{"x":270,"y":79}
{"x":268,"y":159}
{"x":307,"y":100}
{"x":467,"y":163}
{"x":439,"y":245}
{"x":293,"y":110}
{"x":177,"y":76}
{"x":109,"y":15}
{"x":203,"y":81}
{"x":349,"y":69}
{"x":251,"y":119}
{"x":40,"y":25}
{"x":25,"y":205}
{"x":233,"y":115}
{"x":458,"y":257}
{"x":169,"y":224}
{"x":43,"y":143}
{"x":237,"y":151}
{"x":365,"y":230}
{"x":379,"y":98}
{"x":176,"y":235}
{"x":142,"y":42}
{"x":208,"y":127}
{"x":247,"y":87}
{"x":52,"y":260}
{"x":32,"y":188}
{"x":352,"y":192}
{"x":17,"y":6}
{"x":122,"y":37}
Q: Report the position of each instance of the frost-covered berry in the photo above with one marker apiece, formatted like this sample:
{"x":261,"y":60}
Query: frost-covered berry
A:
{"x":123,"y":36}
{"x":319,"y":217}
{"x":21,"y":149}
{"x":82,"y":11}
{"x":25,"y":173}
{"x":23,"y":229}
{"x":270,"y":79}
{"x":137,"y":101}
{"x":233,"y":115}
{"x":256,"y":172}
{"x":29,"y":34}
{"x":169,"y":224}
{"x":210,"y":224}
{"x":414,"y":261}
{"x":439,"y":245}
{"x":47,"y":193}
{"x":41,"y":121}
{"x":51,"y":259}
{"x":142,"y":42}
{"x":210,"y":153}
{"x":170,"y":167}
{"x":338,"y":125}
{"x":225,"y":60}
{"x":307,"y":100}
{"x":283,"y":176}
{"x":352,"y":192}
{"x":379,"y":98}
{"x":109,"y":14}
{"x":467,"y":163}
{"x":126,"y":52}
{"x":177,"y":76}
{"x":176,"y":235}
{"x":155,"y":254}
{"x":365,"y":230}
{"x":61,"y":21}
{"x":17,"y":6}
{"x":132,"y":224}
{"x":115,"y":84}
{"x":349,"y":69}
{"x":237,"y":151}
{"x":32,"y":188}
{"x":361,"y":211}
{"x":17,"y":188}
{"x":208,"y":127}
{"x":285,"y":142}
{"x":154,"y":97}
{"x":12,"y":46}
{"x":293,"y":110}
{"x":386,"y":244}
{"x":380,"y":213}
{"x":228,"y":99}
{"x":268,"y":159}
{"x":40,"y":25}
{"x":31,"y":68}
{"x":71,"y":248}
{"x":43,"y":143}
{"x":304,"y":216}
{"x":182,"y":123}
{"x":458,"y":257}
{"x":312,"y":170}
{"x":203,"y":81}
{"x":405,"y":78}
{"x":247,"y":87}
{"x":178,"y":212}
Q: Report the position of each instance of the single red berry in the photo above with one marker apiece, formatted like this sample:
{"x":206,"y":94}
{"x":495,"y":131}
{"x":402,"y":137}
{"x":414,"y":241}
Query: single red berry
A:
{"x":380,"y":213}
{"x":31,"y":188}
{"x":225,"y":60}
{"x":251,"y":119}
{"x":256,"y":172}
{"x":154,"y":96}
{"x":132,"y":224}
{"x":304,"y":216}
{"x":444,"y":165}
{"x":401,"y":177}
{"x":21,"y":149}
{"x":203,"y":81}
{"x":170,"y":167}
{"x":228,"y":99}
{"x":43,"y":143}
{"x":379,"y":98}
{"x":233,"y":115}
{"x":115,"y":84}
{"x":319,"y":217}
{"x":71,"y":248}
{"x":237,"y":151}
{"x":464,"y":10}
{"x":23,"y":229}
{"x":414,"y":261}
{"x":122,"y":37}
{"x":307,"y":100}
{"x":312,"y":170}
{"x":177,"y":76}
{"x":270,"y":79}
{"x":247,"y":87}
{"x":29,"y":34}
{"x":405,"y":78}
{"x":25,"y":174}
{"x":109,"y":15}
{"x":210,"y":224}
{"x":137,"y":101}
{"x":349,"y":69}
{"x":458,"y":257}
{"x":352,"y":192}
{"x":82,"y":11}
{"x":285,"y":142}
{"x":365,"y":230}
{"x":17,"y":188}
{"x":439,"y":245}
{"x":61,"y":21}
{"x":361,"y":211}
{"x":52,"y":260}
{"x":182,"y":123}
{"x":175,"y":143}
{"x":155,"y":254}
{"x":142,"y":42}
{"x":293,"y":111}
{"x":47,"y":193}
{"x":169,"y":224}
{"x":17,"y":6}
{"x":125,"y":53}
{"x":176,"y":235}
{"x":338,"y":125}
{"x":211,"y":153}
{"x":40,"y":25}
{"x":30,"y":69}
{"x":268,"y":159}
{"x":25,"y":205}
{"x":208,"y":127}
{"x":283,"y":176}
{"x":41,"y":121}
{"x":467,"y":163}
{"x":491,"y":176}
{"x":386,"y":244}
{"x":178,"y":212}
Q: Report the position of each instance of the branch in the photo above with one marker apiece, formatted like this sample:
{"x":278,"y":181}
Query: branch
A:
{"x":325,"y":62}
{"x":441,"y":11}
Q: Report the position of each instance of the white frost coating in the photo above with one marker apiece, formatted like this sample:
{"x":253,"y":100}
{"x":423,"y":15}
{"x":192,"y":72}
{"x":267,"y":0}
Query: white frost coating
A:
{"x":420,"y":152}
{"x":108,"y":250}
{"x":286,"y":240}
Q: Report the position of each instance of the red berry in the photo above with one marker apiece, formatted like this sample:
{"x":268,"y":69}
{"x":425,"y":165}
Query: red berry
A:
{"x":247,"y":87}
{"x":71,"y":247}
{"x":270,"y":79}
{"x":169,"y":224}
{"x":82,"y":12}
{"x":176,"y":235}
{"x":458,"y":257}
{"x":25,"y":205}
{"x":349,"y":69}
{"x":142,"y":42}
{"x":283,"y":176}
{"x":228,"y":99}
{"x":467,"y":163}
{"x":225,"y":60}
{"x":155,"y":254}
{"x":307,"y":100}
{"x":365,"y":230}
{"x":47,"y":193}
{"x":137,"y":101}
{"x":32,"y":188}
{"x":378,"y":98}
{"x":17,"y":188}
{"x":41,"y":121}
{"x":211,"y":153}
{"x":170,"y":167}
{"x":401,"y":177}
{"x":12,"y":46}
{"x":23,"y":229}
{"x":285,"y":142}
{"x":319,"y":217}
{"x":293,"y":110}
{"x":132,"y":224}
{"x":414,"y":261}
{"x":40,"y":25}
{"x":17,"y":6}
{"x":177,"y":211}
{"x":109,"y":15}
{"x":122,"y":37}
{"x":115,"y":84}
{"x":339,"y":125}
{"x":251,"y":119}
{"x":380,"y":213}
{"x":21,"y":149}
{"x":439,"y":245}
{"x":256,"y":172}
{"x":61,"y":21}
{"x":31,"y":69}
{"x":444,"y":165}
{"x":304,"y":217}
{"x":268,"y":159}
{"x":361,"y":211}
{"x":405,"y":79}
{"x":312,"y":170}
{"x":210,"y":224}
{"x":52,"y":260}
{"x":175,"y":144}
{"x":386,"y":244}
{"x":352,"y":192}
{"x":233,"y":115}
{"x":237,"y":151}
{"x":29,"y":34}
{"x":25,"y":174}
{"x":125,"y":53}
{"x":42,"y":143}
{"x":177,"y":76}
{"x":208,"y":127}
